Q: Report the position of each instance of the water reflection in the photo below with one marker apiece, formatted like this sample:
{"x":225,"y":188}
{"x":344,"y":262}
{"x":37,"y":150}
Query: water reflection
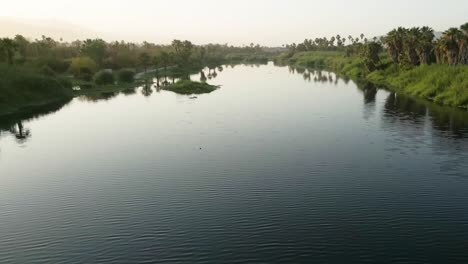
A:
{"x":147,"y":89}
{"x":14,"y":124}
{"x":398,"y":111}
{"x":202,"y":76}
{"x":95,"y":97}
{"x":21,"y":133}
{"x":397,"y":108}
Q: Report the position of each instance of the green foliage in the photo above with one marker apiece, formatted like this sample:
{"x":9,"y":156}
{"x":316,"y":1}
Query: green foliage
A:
{"x":83,"y":68}
{"x":190,"y":87}
{"x":22,"y":87}
{"x":444,"y":84}
{"x":55,"y":64}
{"x":8,"y":47}
{"x":126,"y":76}
{"x":183,"y":51}
{"x":144,"y":60}
{"x":95,"y":49}
{"x":370,"y":54}
{"x":104,"y":77}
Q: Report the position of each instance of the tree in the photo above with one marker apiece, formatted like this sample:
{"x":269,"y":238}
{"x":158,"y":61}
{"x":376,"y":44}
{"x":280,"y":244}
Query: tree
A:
{"x":371,"y":52}
{"x":463,"y":45}
{"x":183,"y":51}
{"x":450,"y":45}
{"x":425,"y":46}
{"x":144,"y":60}
{"x":165,"y":59}
{"x":95,"y":49}
{"x":394,"y":43}
{"x":411,"y":40}
{"x":22,"y":44}
{"x":8,"y":47}
{"x":202,"y":54}
{"x":83,"y":67}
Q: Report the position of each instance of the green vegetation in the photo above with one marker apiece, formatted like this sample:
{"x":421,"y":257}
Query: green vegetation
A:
{"x":414,"y":63}
{"x":44,"y":70}
{"x":22,"y":87}
{"x":126,"y":76}
{"x":104,"y":77}
{"x":446,"y":85}
{"x":190,"y":87}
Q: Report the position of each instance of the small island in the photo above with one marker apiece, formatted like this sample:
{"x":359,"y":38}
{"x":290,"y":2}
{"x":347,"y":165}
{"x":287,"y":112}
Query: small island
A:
{"x":188,"y":87}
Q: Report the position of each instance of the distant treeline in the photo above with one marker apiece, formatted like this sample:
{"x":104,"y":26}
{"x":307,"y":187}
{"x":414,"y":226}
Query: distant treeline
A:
{"x":405,"y":46}
{"x":85,"y":57}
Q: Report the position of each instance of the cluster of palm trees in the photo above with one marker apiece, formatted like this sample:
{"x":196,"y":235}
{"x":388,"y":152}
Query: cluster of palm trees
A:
{"x":452,"y":48}
{"x":418,"y":46}
{"x":334,"y":43}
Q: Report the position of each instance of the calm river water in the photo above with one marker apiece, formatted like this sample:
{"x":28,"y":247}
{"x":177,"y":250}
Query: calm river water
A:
{"x":276,"y":166}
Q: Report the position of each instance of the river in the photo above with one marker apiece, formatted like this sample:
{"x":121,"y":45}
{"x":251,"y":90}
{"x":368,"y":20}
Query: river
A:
{"x":279,"y":165}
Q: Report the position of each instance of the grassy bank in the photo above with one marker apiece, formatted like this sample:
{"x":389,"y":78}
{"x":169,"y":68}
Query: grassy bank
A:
{"x":22,"y":88}
{"x":443,"y":84}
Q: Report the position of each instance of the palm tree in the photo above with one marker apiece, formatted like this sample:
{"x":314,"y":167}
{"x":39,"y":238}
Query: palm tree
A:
{"x":394,"y":43}
{"x":463,"y":45}
{"x":411,"y":40}
{"x":8,"y":47}
{"x":425,"y":46}
{"x":439,"y":52}
{"x":340,"y":41}
{"x":371,"y":55}
{"x":450,"y":45}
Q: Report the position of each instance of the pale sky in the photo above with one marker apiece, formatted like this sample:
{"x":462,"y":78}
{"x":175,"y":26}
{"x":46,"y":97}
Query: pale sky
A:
{"x":237,"y":22}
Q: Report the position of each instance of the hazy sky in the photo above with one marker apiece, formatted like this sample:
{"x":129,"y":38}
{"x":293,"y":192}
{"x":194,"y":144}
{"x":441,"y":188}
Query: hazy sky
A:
{"x":236,"y":22}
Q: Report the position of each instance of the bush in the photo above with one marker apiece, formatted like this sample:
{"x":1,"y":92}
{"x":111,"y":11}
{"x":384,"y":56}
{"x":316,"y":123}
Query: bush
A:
{"x":126,"y":76}
{"x":83,"y":67}
{"x":104,"y":77}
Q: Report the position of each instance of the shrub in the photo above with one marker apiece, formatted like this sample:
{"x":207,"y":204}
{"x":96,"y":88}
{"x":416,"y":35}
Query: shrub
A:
{"x":83,"y":67}
{"x":126,"y":76}
{"x":104,"y":77}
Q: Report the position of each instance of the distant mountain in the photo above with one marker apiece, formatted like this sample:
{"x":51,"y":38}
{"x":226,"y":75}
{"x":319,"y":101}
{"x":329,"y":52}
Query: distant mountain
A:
{"x":32,"y":29}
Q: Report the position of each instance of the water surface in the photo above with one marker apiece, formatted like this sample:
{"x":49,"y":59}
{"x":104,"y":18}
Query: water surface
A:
{"x":277,"y":166}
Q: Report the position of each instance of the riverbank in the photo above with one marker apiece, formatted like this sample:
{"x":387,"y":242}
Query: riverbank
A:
{"x":443,"y":84}
{"x":22,"y":88}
